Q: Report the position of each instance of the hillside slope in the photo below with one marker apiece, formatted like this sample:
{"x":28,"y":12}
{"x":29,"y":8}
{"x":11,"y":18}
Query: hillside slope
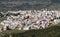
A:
{"x":53,"y":31}
{"x":29,"y":4}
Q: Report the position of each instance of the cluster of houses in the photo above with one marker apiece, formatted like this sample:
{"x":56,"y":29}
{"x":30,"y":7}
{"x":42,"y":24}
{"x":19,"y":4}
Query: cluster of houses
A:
{"x":30,"y":19}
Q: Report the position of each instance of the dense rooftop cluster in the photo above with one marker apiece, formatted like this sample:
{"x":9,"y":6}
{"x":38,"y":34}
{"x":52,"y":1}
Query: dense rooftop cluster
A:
{"x":29,"y":19}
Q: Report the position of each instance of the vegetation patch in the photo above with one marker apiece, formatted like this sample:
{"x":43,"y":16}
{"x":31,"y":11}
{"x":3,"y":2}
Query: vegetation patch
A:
{"x":53,"y":31}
